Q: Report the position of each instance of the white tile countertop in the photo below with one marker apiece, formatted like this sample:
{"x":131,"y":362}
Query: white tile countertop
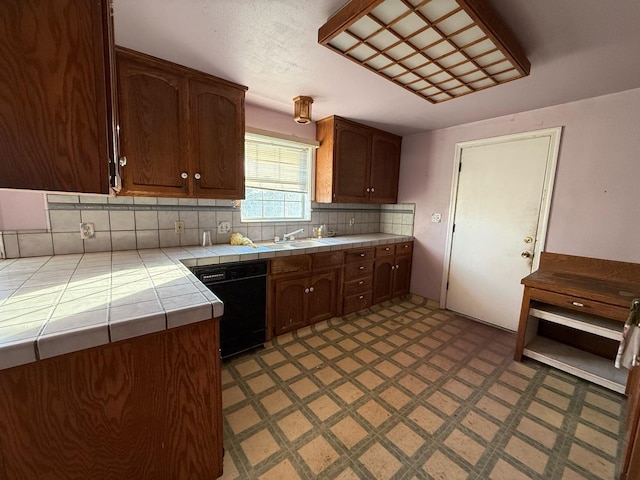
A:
{"x":59,"y":304}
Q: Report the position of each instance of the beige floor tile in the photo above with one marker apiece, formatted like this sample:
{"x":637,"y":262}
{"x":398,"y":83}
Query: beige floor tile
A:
{"x":229,"y":469}
{"x":464,"y":446}
{"x":333,"y":335}
{"x":260,"y":383}
{"x":459,"y":389}
{"x":404,"y":359}
{"x":426,"y":419}
{"x":387,"y":368}
{"x":348,"y":344}
{"x":397,"y":340}
{"x":570,"y":474}
{"x":364,"y":337}
{"x":443,"y":336}
{"x":369,"y":379}
{"x":283,"y":470}
{"x":288,"y":371}
{"x":395,"y":397}
{"x":417,"y":351}
{"x":522,"y":369}
{"x":303,"y":388}
{"x":606,"y":404}
{"x":231,"y":396}
{"x":591,"y":462}
{"x":348,"y":364}
{"x":318,"y":455}
{"x":552,"y":398}
{"x":440,"y":467}
{"x":367,"y":356}
{"x":294,"y":425}
{"x":405,"y":439}
{"x":606,"y":422}
{"x":546,"y":414}
{"x":380,"y":462}
{"x":378,"y":331}
{"x":327,"y":375}
{"x":243,"y":419}
{"x":324,"y":408}
{"x":310,"y":361}
{"x":471,"y":377}
{"x":413,"y":384}
{"x":480,"y":426}
{"x":273,"y":358}
{"x":248,"y":367}
{"x":315,"y":342}
{"x":505,"y":471}
{"x":347,"y":474}
{"x":295,"y":349}
{"x":259,"y":447}
{"x":429,"y":372}
{"x":442,"y":362}
{"x":349,"y":432}
{"x":444,"y":403}
{"x":382,"y":347}
{"x":276,"y":402}
{"x":482,"y":366}
{"x":504,"y":393}
{"x":537,"y":432}
{"x":527,"y":454}
{"x":330,"y":352}
{"x":374,"y":413}
{"x":348,"y":392}
{"x":493,"y":408}
{"x":597,"y":440}
{"x":516,"y":382}
{"x":226,"y":377}
{"x":455,"y":353}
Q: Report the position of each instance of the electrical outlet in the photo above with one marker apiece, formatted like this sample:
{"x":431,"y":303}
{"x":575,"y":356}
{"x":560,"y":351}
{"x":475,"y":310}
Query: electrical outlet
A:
{"x":352,"y":221}
{"x":87,"y":230}
{"x":179,"y":226}
{"x":224,"y":227}
{"x":436,"y":217}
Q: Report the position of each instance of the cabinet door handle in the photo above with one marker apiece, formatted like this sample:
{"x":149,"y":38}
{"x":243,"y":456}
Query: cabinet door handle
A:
{"x":397,"y":266}
{"x":406,"y":246}
{"x":387,"y":249}
{"x":363,"y":254}
{"x":360,"y":282}
{"x":123,"y":161}
{"x":577,"y":304}
{"x":361,"y":268}
{"x":368,"y":190}
{"x":372,"y":190}
{"x":184,"y":175}
{"x":197,"y":176}
{"x":393,"y":267}
{"x":311,"y":289}
{"x":306,"y":290}
{"x":361,"y":297}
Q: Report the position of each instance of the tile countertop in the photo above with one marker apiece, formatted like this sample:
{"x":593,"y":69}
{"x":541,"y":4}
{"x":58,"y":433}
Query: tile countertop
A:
{"x":59,"y":304}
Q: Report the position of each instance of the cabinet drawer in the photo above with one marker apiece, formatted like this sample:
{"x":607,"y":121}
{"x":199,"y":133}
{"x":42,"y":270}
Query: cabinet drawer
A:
{"x":357,"y":286}
{"x":294,"y":263}
{"x":358,"y":270}
{"x":385,"y":250}
{"x":354,"y":303}
{"x":404,"y":247}
{"x":580,"y":304}
{"x":326,"y":259}
{"x":359,"y":254}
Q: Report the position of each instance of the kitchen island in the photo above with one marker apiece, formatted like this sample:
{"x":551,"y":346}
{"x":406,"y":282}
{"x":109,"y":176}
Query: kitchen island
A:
{"x":109,"y":362}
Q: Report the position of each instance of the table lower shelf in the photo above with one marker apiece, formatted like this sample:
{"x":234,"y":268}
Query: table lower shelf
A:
{"x":593,"y":368}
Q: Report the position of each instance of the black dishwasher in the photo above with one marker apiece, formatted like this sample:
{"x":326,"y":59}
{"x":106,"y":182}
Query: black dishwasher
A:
{"x":242,"y":287}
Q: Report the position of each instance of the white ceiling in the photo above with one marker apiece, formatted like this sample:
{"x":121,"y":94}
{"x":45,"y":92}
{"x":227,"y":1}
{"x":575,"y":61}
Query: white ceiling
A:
{"x":577,"y":48}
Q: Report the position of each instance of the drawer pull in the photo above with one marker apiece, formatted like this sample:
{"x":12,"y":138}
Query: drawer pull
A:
{"x":361,"y":297}
{"x":361,"y":268}
{"x":360,"y":282}
{"x":577,"y":304}
{"x":387,"y":249}
{"x":363,"y":254}
{"x":406,"y":246}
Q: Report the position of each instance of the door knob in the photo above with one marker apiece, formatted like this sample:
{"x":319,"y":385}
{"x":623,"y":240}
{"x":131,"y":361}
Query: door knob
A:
{"x":526,"y":255}
{"x":528,"y":239}
{"x":184,"y":175}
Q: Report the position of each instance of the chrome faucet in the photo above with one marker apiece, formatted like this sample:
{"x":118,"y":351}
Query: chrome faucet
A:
{"x":290,"y":236}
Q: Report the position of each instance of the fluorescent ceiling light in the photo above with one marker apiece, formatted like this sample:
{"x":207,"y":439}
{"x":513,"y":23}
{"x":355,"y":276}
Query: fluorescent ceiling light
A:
{"x":437,"y":49}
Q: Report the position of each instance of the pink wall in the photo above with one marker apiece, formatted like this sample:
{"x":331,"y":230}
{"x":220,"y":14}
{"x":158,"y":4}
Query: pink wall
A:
{"x":265,"y":119}
{"x":595,"y":209}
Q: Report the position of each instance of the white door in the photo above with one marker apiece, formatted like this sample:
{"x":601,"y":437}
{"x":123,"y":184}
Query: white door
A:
{"x":499,"y":218}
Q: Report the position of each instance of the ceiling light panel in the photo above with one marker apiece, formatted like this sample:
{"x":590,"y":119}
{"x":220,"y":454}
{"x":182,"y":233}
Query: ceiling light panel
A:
{"x":437,"y":49}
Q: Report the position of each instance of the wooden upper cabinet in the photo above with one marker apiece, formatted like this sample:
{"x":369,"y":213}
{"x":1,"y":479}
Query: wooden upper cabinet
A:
{"x":181,"y":131}
{"x":56,"y":95}
{"x":356,"y":163}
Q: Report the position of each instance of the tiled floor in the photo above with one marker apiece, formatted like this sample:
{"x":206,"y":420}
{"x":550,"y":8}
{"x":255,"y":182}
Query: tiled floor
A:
{"x":408,"y":391}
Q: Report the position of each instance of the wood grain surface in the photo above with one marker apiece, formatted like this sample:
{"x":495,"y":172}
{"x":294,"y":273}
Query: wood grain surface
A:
{"x":145,"y":408}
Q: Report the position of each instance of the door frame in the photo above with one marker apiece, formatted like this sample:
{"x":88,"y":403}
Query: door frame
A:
{"x":554,"y":135}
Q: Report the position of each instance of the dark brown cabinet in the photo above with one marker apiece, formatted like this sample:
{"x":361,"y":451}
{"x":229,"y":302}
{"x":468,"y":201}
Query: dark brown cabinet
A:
{"x":392,"y":271}
{"x":181,"y":131}
{"x":356,"y":163}
{"x":56,"y":127}
{"x":358,"y":279}
{"x":305,"y":290}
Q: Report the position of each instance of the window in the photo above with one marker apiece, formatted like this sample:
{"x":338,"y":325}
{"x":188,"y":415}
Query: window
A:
{"x":277,"y":179}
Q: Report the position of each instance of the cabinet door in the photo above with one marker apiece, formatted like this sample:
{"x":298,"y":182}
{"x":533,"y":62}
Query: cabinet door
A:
{"x":385,"y":168}
{"x":321,"y":299}
{"x":217,"y":139}
{"x":290,"y":305}
{"x":352,"y":156}
{"x":382,"y":279}
{"x":153,"y":127}
{"x":55,"y":95}
{"x":402,"y":276}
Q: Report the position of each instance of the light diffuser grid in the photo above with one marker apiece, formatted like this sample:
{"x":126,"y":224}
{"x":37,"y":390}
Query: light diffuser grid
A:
{"x":436,"y":49}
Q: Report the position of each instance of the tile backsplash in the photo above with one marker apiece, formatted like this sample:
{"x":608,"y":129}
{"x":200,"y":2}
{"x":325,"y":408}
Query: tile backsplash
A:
{"x":128,"y":223}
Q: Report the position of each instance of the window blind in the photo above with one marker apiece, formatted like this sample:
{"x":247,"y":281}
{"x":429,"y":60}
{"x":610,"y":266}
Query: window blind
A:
{"x":274,"y":164}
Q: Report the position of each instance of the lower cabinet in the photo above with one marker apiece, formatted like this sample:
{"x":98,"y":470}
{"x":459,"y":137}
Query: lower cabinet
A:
{"x":391,"y":271}
{"x":304,"y":300}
